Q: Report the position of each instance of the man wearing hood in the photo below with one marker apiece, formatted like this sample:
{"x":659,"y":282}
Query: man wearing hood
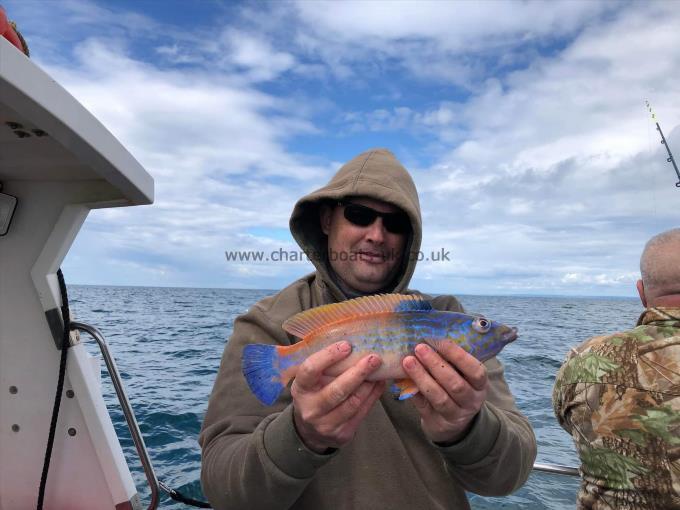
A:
{"x":347,"y":443}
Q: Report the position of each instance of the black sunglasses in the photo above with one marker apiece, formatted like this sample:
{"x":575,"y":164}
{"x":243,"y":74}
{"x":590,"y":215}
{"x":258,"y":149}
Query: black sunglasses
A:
{"x":362,"y":216}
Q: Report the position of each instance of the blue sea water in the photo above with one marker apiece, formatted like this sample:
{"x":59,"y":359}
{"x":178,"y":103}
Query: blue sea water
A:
{"x":168,"y":342}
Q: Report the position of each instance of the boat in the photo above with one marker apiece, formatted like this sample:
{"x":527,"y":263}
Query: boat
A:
{"x":57,"y":163}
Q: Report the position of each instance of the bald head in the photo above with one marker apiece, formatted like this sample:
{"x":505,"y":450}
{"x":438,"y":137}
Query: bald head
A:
{"x":660,"y":269}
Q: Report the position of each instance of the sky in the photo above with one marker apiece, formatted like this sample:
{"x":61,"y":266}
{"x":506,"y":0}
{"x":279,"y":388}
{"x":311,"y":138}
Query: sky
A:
{"x":523,"y":124}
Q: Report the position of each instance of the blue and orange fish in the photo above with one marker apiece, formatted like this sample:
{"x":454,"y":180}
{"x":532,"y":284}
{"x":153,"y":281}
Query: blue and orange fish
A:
{"x":389,"y":325}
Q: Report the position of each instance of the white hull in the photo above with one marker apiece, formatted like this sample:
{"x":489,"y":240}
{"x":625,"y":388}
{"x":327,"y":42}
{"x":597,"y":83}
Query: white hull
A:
{"x":57,"y":178}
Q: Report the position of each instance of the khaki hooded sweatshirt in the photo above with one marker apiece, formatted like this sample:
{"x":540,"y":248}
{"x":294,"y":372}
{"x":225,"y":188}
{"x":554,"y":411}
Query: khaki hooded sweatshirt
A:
{"x":252,"y":456}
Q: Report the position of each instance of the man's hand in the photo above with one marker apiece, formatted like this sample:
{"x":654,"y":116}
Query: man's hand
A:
{"x":327,"y":411}
{"x":453,"y":386}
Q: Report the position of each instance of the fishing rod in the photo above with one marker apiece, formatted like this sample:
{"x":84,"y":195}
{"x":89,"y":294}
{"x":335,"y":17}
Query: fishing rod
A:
{"x":670,"y":157}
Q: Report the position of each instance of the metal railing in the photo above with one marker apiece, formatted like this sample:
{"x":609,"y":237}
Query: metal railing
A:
{"x":127,"y":409}
{"x":556,"y":469}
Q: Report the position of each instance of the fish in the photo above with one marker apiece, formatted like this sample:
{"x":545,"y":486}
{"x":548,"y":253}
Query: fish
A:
{"x":389,"y":325}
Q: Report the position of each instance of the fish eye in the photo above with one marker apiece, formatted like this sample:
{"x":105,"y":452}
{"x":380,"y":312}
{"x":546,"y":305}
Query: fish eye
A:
{"x":481,"y":325}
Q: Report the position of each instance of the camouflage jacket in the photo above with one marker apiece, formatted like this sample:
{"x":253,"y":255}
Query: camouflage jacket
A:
{"x":619,"y":398}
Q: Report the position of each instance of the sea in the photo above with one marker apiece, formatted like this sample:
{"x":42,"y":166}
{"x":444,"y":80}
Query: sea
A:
{"x":168,"y":343}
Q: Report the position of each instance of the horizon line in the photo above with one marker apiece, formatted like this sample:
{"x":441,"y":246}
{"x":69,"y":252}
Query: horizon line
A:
{"x":538,"y":295}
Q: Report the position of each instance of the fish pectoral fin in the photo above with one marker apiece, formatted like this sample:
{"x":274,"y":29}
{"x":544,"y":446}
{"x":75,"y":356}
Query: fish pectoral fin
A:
{"x":404,"y":388}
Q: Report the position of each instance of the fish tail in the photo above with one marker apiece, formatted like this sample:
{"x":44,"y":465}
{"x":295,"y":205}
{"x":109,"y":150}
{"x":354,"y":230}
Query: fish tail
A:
{"x":404,"y":388}
{"x":261,"y":367}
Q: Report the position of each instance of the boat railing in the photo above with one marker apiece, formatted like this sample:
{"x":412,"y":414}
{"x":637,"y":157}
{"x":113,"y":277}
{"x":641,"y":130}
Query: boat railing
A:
{"x":556,"y":469}
{"x":127,"y":409}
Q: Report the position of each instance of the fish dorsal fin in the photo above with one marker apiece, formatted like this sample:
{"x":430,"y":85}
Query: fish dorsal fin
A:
{"x":303,"y":323}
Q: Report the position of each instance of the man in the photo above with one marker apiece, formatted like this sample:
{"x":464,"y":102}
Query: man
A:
{"x":345,"y":442}
{"x":619,"y":396}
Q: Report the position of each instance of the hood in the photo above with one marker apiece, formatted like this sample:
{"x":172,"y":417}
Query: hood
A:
{"x":375,"y":174}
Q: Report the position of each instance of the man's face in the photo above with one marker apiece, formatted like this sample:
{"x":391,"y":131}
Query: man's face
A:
{"x":365,"y":258}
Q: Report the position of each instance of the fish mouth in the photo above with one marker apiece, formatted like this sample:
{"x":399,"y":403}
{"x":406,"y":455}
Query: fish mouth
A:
{"x":509,"y":336}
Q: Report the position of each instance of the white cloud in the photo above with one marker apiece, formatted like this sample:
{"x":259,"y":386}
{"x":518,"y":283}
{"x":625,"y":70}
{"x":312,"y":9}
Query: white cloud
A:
{"x":566,"y":147}
{"x":600,"y":279}
{"x":262,"y":62}
{"x":216,"y":149}
{"x":536,"y":161}
{"x":432,"y":39}
{"x":460,"y":26}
